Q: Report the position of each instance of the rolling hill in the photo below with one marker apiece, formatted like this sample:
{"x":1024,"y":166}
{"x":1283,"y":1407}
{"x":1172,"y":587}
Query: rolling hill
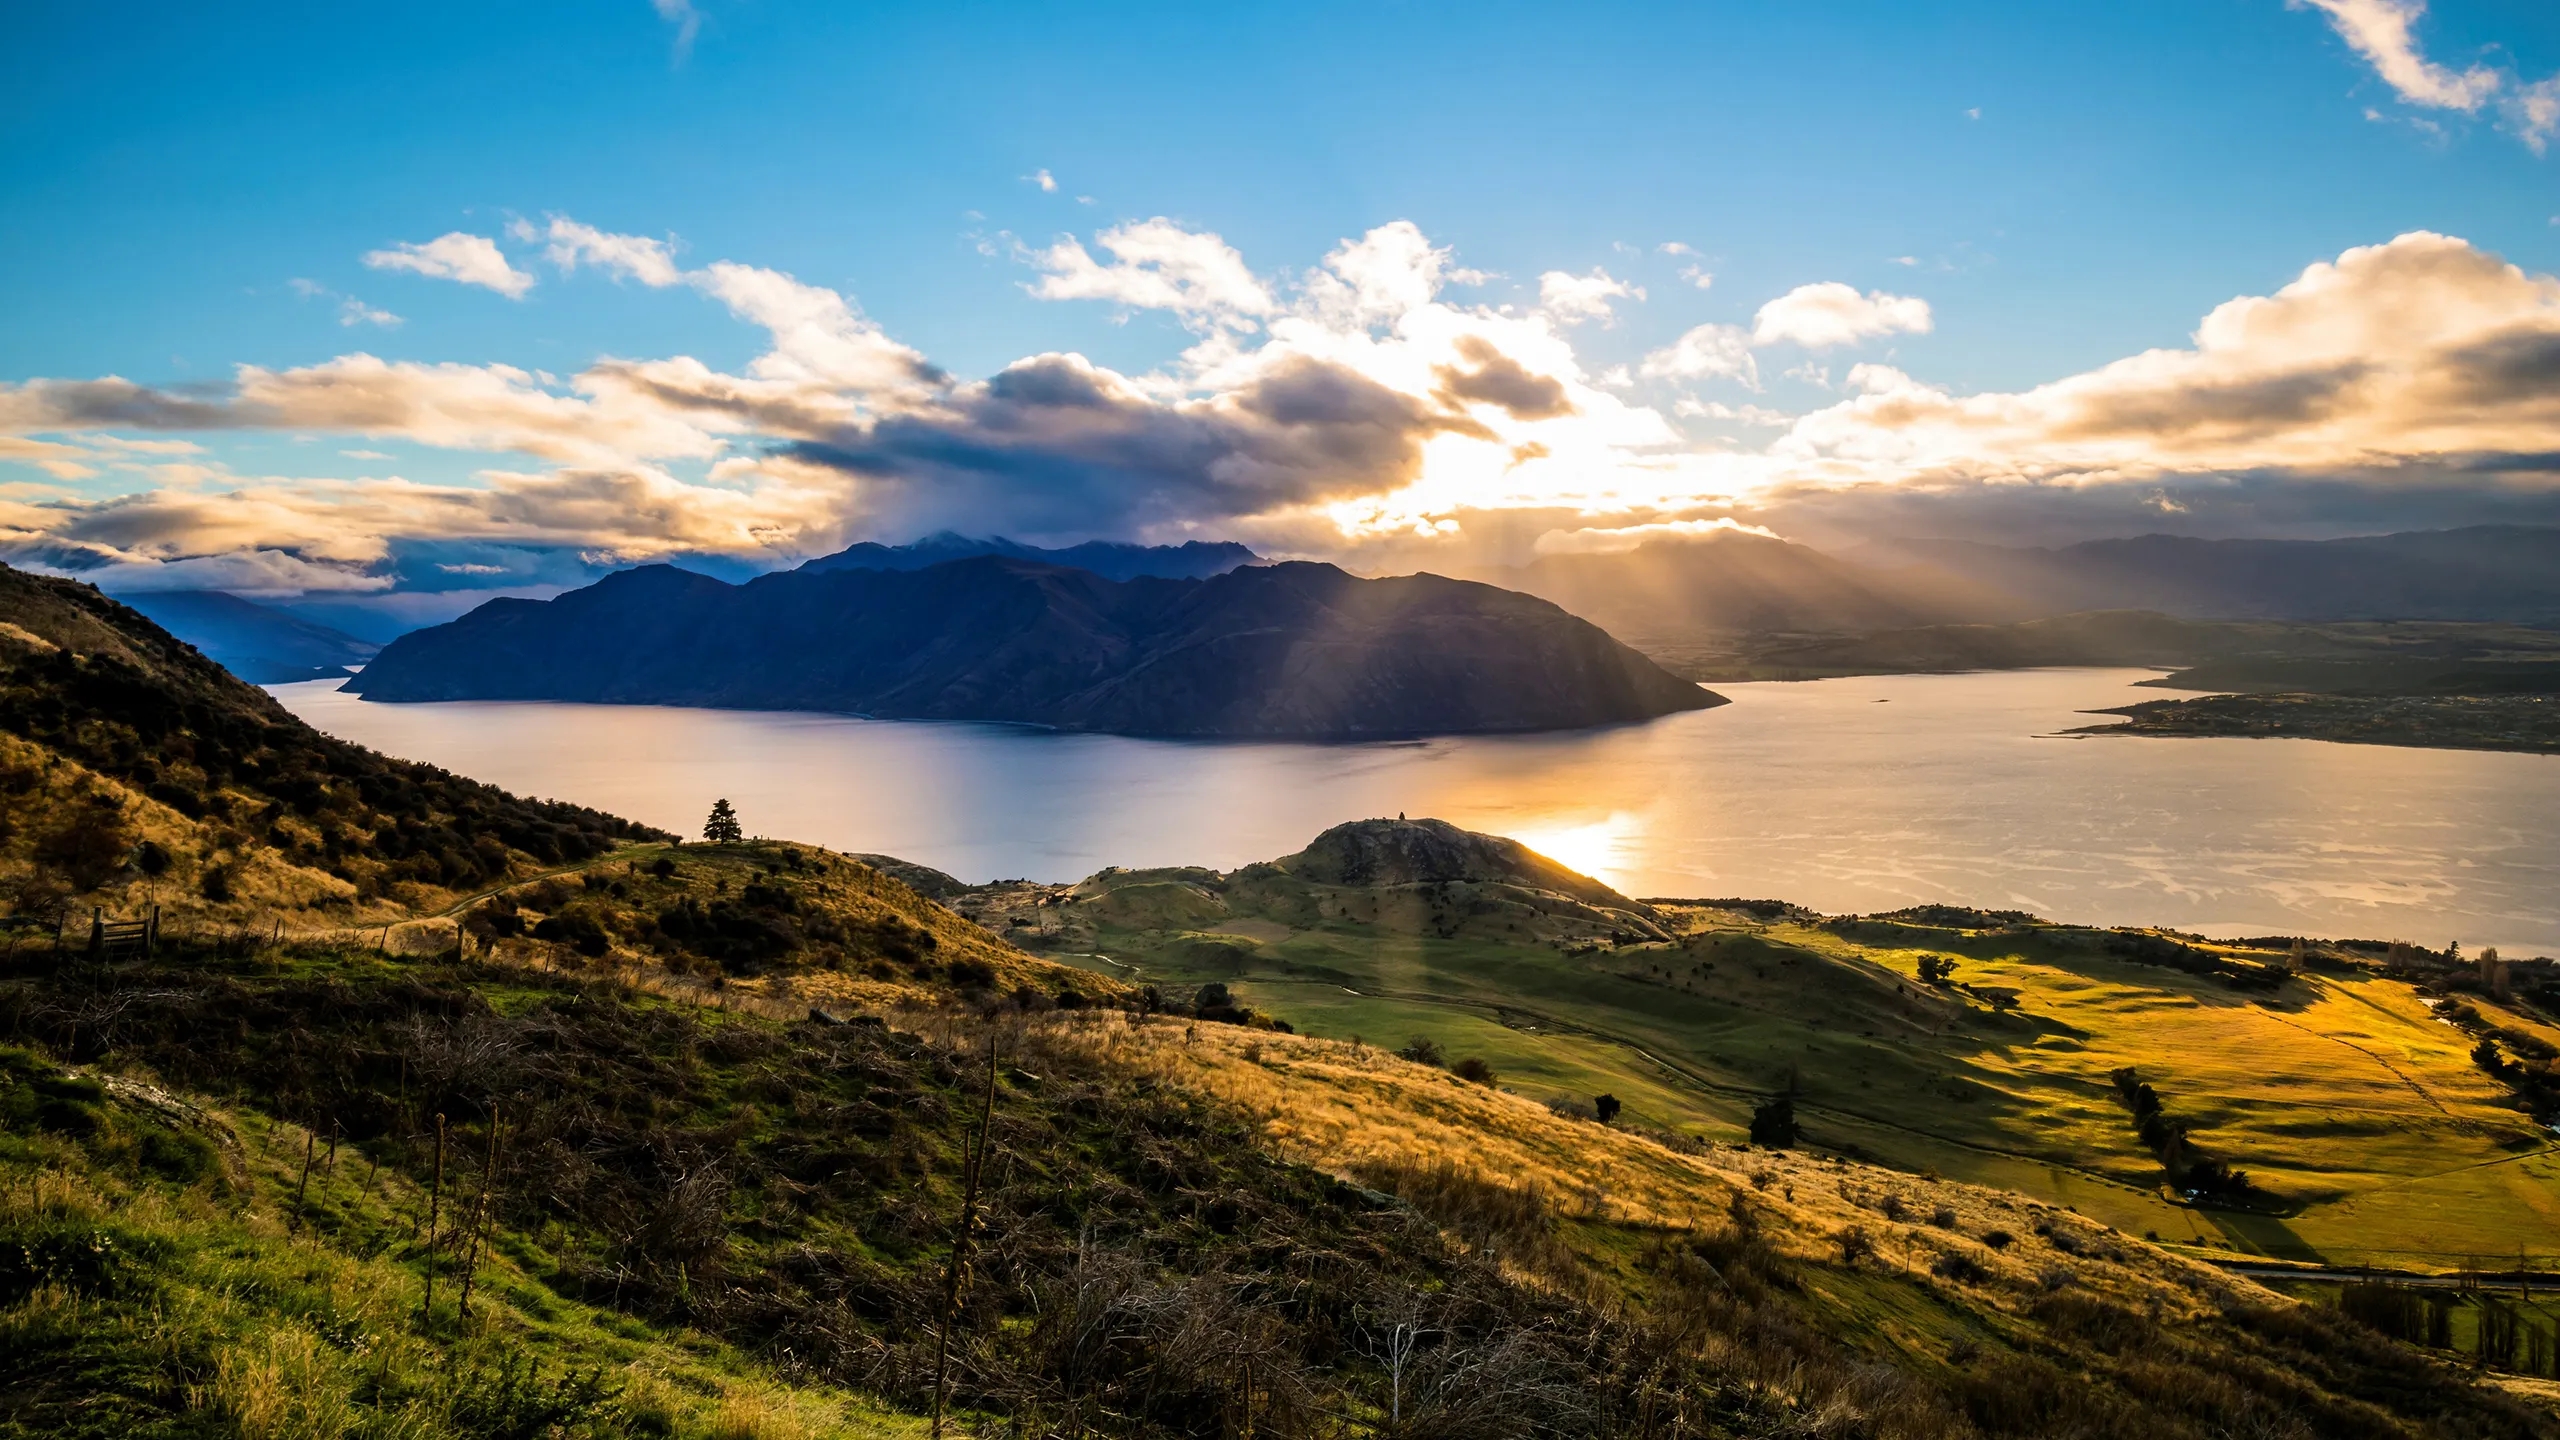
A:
{"x":2375,"y":1131}
{"x":1295,"y":650}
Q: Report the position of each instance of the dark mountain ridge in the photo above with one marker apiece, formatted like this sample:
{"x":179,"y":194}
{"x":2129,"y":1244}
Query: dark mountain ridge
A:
{"x":1112,"y":560}
{"x":259,"y":643}
{"x":1296,"y":650}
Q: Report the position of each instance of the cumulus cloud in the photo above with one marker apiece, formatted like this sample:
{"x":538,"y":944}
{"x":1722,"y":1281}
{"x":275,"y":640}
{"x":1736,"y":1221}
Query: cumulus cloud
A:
{"x":458,"y":256}
{"x":628,"y":257}
{"x":1158,"y":265}
{"x":1830,"y":313}
{"x":1572,"y":299}
{"x":1590,"y":541}
{"x":2422,"y":349}
{"x":1705,"y":352}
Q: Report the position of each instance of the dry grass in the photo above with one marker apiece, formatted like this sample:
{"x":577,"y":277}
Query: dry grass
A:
{"x":1359,"y":1111}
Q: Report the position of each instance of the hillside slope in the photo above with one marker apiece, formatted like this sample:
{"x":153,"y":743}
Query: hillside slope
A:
{"x":1285,"y":650}
{"x":135,"y":771}
{"x":2372,"y":1128}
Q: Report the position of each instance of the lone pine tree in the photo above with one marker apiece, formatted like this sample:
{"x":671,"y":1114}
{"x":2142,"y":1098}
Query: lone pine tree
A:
{"x":722,"y":827}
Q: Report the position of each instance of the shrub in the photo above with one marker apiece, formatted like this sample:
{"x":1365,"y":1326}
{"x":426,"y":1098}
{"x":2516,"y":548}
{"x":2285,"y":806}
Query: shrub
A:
{"x":1998,"y":1239}
{"x":1604,"y":1108}
{"x":1773,"y":1124}
{"x":215,"y":884}
{"x":1944,"y":1217}
{"x":1473,"y":1070}
{"x":1422,"y":1050}
{"x":1961,"y":1268}
{"x":1855,"y":1244}
{"x":151,"y":858}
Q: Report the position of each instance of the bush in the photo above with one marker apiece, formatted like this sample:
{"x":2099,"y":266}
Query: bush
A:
{"x":1998,"y":1239}
{"x":1961,"y":1268}
{"x":216,"y":884}
{"x":1473,"y":1070}
{"x":1604,"y":1108}
{"x":1422,"y":1050}
{"x":1773,"y":1125}
{"x":1944,"y":1217}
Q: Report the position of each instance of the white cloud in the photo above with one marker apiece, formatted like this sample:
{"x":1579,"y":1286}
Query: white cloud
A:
{"x":2382,"y":31}
{"x":1697,"y":275}
{"x":352,"y":312}
{"x":2535,"y":112}
{"x":1618,"y":540}
{"x":1829,"y":313}
{"x":1047,"y":182}
{"x":1572,"y":299}
{"x":631,"y":257}
{"x":1157,"y":265}
{"x":1675,"y":247}
{"x":468,"y":259}
{"x":1705,"y":352}
{"x":686,"y":19}
{"x":1760,"y":415}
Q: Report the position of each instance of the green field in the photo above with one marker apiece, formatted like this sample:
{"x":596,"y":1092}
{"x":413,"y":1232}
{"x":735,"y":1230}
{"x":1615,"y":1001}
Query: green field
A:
{"x":2361,"y":1115}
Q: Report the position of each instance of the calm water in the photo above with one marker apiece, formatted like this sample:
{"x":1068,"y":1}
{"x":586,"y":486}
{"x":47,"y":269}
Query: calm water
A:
{"x":1846,"y":795}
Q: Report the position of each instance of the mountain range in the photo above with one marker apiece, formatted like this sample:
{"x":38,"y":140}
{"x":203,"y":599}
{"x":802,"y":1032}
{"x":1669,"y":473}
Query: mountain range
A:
{"x":1191,"y":560}
{"x":1735,"y":583}
{"x":1296,"y":650}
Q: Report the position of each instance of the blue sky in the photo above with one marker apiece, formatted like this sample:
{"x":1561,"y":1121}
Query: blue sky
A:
{"x":191,"y":190}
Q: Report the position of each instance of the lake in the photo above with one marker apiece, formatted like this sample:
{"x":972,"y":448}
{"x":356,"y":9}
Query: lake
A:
{"x":1845,"y":795}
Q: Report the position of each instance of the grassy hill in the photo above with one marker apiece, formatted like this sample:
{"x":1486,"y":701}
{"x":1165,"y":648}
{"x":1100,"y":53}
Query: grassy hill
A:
{"x":2373,"y":1133}
{"x":137,"y":772}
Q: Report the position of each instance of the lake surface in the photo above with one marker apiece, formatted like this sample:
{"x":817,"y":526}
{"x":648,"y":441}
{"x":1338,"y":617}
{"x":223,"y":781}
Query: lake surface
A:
{"x":1845,"y":795}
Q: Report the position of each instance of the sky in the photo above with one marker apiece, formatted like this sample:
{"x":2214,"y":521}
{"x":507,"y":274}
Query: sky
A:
{"x":411,"y":305}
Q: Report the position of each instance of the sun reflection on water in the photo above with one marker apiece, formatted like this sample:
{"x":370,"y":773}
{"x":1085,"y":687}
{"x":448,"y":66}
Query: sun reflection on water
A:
{"x":1596,"y":848}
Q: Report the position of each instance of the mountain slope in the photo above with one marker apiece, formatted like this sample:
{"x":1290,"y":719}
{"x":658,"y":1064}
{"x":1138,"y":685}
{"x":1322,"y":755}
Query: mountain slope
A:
{"x":1733,"y":583}
{"x":134,"y":770}
{"x":1191,"y":560}
{"x":258,"y":643}
{"x":1293,"y":650}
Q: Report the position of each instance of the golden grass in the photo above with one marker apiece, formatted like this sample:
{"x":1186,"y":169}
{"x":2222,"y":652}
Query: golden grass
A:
{"x":1351,"y":1109}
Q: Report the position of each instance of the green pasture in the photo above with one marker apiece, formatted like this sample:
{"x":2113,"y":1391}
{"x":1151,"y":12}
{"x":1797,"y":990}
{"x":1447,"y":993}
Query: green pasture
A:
{"x":2338,"y":1091}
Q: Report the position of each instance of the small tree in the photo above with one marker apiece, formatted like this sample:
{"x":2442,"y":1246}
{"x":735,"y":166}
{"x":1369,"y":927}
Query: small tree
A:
{"x":1936,"y":969}
{"x":1423,"y":1051}
{"x":1606,"y":1107}
{"x":722,"y":827}
{"x":1473,"y":1070}
{"x":1773,"y":1125}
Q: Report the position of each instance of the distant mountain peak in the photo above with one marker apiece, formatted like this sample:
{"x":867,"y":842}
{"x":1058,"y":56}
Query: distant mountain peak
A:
{"x":1110,"y":559}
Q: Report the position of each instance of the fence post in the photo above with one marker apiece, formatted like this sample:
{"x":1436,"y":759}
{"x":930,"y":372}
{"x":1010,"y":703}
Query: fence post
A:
{"x":97,"y":931}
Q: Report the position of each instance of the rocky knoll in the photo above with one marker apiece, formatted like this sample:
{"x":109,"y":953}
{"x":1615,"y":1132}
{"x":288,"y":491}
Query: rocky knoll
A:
{"x":1301,"y":651}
